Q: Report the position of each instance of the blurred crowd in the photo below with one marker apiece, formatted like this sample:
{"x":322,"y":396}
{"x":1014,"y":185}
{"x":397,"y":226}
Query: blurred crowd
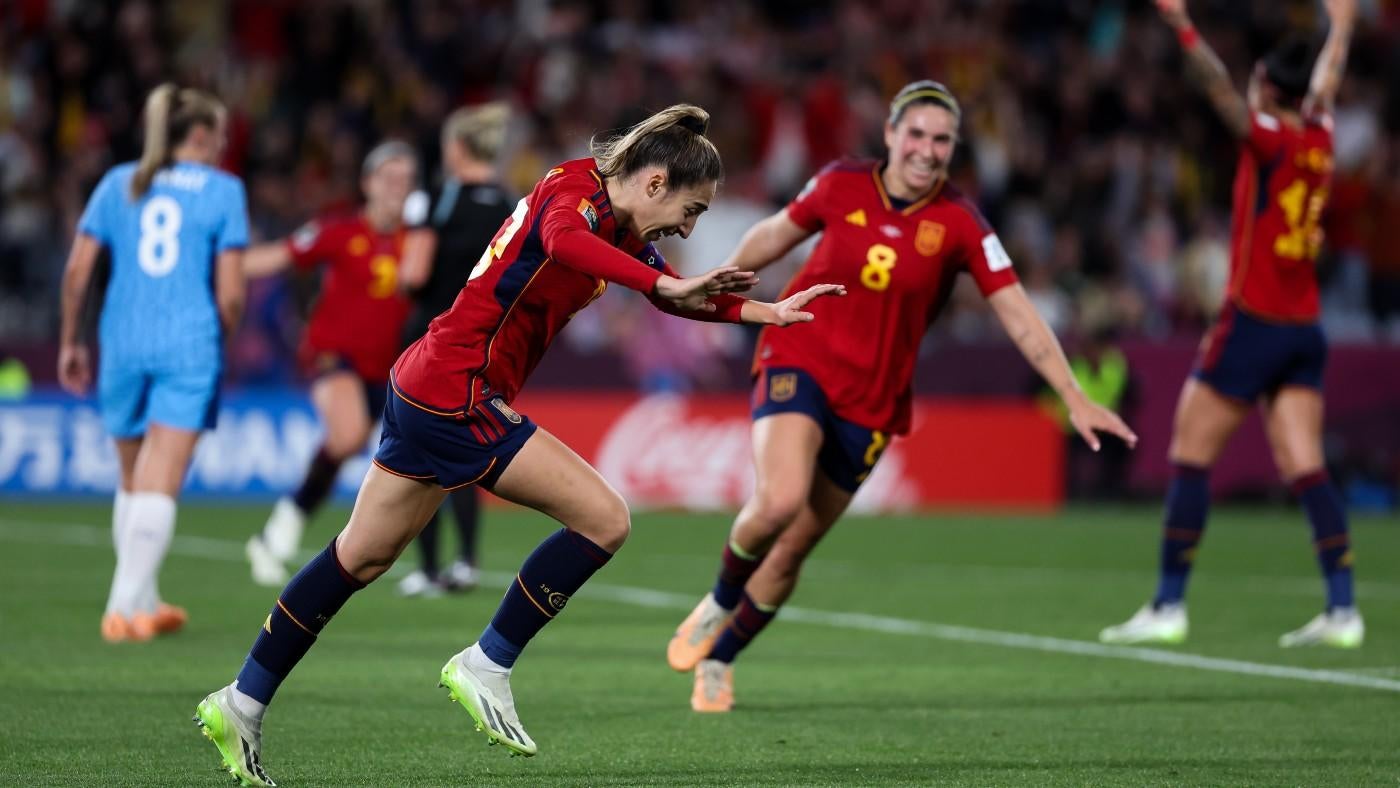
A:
{"x":1106,"y":174}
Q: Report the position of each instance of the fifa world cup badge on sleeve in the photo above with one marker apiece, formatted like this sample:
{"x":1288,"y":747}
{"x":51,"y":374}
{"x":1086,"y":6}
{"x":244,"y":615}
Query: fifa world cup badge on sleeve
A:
{"x":590,"y":214}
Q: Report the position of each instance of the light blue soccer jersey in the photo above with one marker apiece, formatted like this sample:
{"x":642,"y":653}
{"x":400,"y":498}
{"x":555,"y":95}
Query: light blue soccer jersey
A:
{"x":160,"y":309}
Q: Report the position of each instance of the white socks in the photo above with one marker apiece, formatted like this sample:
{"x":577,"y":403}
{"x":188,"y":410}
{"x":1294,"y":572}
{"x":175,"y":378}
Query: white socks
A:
{"x":477,"y":659}
{"x":143,"y":527}
{"x":246,"y":704}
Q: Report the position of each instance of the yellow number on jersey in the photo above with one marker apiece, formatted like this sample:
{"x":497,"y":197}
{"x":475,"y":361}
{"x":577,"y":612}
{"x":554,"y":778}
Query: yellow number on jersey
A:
{"x":1302,"y":213}
{"x":879,"y":261}
{"x":385,"y":270}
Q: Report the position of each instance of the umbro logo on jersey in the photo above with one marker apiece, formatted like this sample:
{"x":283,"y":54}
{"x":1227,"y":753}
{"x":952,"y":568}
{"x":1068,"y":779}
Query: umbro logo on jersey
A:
{"x":856,"y":217}
{"x":890,"y":231}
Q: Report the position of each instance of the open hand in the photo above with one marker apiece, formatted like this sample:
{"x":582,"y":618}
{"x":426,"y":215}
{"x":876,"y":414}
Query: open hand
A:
{"x":693,"y":293}
{"x":1089,"y":419}
{"x":789,"y":310}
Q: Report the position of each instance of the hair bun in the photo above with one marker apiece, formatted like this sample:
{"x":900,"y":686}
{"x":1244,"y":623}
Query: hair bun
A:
{"x":694,"y":123}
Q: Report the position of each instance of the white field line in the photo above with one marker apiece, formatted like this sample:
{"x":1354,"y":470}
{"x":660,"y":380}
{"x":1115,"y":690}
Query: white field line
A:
{"x":229,"y":550}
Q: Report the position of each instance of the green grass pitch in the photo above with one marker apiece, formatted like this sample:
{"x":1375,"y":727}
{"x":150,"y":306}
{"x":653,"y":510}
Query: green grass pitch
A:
{"x":929,"y":679}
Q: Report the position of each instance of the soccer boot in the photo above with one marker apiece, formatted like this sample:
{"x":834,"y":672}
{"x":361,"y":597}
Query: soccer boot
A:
{"x":696,"y":635}
{"x":487,"y":698}
{"x":714,"y":687}
{"x":282,"y":533}
{"x":1338,"y":628}
{"x":1164,"y":623}
{"x":417,"y":583}
{"x":169,"y":619}
{"x":461,"y":576}
{"x":238,"y":738}
{"x":268,"y":569}
{"x":137,"y":628}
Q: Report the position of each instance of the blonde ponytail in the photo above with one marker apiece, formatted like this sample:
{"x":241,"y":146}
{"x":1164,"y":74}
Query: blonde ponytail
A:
{"x":673,"y":138}
{"x":170,"y":114}
{"x":481,"y":130}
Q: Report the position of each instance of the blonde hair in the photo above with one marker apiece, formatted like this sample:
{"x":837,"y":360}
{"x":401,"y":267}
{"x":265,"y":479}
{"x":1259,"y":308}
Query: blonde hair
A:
{"x":170,"y":114}
{"x":673,"y":138}
{"x":481,"y":130}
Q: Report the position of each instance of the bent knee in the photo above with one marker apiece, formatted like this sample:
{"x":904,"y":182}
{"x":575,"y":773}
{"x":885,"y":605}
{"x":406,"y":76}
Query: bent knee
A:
{"x":608,"y":526}
{"x":777,"y":509}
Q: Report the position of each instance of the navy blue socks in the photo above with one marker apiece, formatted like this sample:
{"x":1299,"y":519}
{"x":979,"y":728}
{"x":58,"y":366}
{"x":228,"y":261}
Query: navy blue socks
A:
{"x":1188,"y":499}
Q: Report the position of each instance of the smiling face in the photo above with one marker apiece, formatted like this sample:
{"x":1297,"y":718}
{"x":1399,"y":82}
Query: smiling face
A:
{"x":388,"y":186}
{"x":920,"y":150}
{"x":660,"y":211}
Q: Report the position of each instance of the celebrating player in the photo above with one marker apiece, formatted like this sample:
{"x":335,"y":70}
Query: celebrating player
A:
{"x":176,"y":228}
{"x":829,"y":395}
{"x":449,"y":422}
{"x":463,"y":217}
{"x":1266,"y":346}
{"x":351,"y":339}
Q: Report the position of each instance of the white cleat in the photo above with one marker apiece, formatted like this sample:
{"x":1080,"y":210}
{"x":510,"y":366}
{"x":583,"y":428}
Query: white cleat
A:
{"x":282,"y":533}
{"x":461,"y":576}
{"x":1339,"y":627}
{"x":268,"y":570}
{"x":487,"y":698}
{"x":238,"y":737}
{"x":418,"y":584}
{"x":1164,"y":623}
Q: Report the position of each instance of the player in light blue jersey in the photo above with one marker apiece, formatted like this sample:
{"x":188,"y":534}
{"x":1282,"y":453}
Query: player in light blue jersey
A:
{"x":176,"y":228}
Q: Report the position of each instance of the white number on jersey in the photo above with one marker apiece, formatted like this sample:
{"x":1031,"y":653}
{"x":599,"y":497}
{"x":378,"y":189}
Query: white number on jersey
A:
{"x":502,"y":239}
{"x":159,"y":248}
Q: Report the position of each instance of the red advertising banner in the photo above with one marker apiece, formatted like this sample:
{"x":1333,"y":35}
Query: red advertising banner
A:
{"x":694,"y":453}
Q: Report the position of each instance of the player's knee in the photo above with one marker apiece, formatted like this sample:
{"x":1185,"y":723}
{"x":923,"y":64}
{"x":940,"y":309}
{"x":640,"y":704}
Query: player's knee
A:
{"x":776,"y":509}
{"x":610,"y":524}
{"x":365,"y":562}
{"x":785,"y":561}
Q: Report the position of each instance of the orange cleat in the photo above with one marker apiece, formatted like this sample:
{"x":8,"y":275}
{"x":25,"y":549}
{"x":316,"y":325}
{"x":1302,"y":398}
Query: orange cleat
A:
{"x":696,"y":635}
{"x":169,"y":619}
{"x":714,"y":687}
{"x":117,"y":628}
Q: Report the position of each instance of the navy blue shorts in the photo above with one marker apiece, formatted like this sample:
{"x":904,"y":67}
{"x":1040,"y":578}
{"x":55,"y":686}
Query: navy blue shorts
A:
{"x":453,"y":451}
{"x":1245,"y":358}
{"x":376,"y":394}
{"x":849,"y":451}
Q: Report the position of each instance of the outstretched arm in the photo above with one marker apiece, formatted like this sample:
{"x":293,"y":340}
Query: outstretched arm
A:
{"x":266,"y":259}
{"x":1206,"y":70}
{"x":1038,"y":344}
{"x":1332,"y":61}
{"x":766,"y":242}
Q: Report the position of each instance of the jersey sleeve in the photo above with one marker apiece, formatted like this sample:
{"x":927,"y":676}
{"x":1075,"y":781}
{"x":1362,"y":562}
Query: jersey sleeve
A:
{"x":807,"y":209}
{"x":1266,"y":136}
{"x":567,"y":231}
{"x":233,"y":232}
{"x":983,"y":255}
{"x":309,"y":244}
{"x":418,"y":209}
{"x":99,"y":216}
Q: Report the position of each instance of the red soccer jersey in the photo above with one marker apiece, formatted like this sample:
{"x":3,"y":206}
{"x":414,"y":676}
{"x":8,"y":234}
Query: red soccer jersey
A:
{"x":1281,"y":188}
{"x":898,"y":266}
{"x":360,"y":311}
{"x":545,"y":265}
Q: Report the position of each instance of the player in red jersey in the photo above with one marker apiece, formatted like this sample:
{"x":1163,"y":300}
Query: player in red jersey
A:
{"x":1266,"y":347}
{"x":450,"y":422}
{"x":351,"y":339}
{"x":829,"y":396}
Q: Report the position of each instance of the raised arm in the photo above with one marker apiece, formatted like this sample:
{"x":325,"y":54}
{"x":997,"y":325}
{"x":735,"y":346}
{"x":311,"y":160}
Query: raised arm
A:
{"x":1038,"y":344}
{"x":1206,"y":70}
{"x":766,"y":242}
{"x":1332,"y":61}
{"x":74,"y":361}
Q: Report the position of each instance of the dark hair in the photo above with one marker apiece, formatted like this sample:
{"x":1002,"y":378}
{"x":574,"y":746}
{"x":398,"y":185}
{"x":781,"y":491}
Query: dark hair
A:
{"x":1289,"y":67}
{"x":673,"y":138}
{"x":925,"y":91}
{"x":171,"y":113}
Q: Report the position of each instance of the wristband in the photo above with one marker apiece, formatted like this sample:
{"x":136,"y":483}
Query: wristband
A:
{"x":1188,"y":37}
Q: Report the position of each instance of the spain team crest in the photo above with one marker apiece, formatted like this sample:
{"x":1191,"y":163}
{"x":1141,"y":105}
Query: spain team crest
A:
{"x":929,"y":238}
{"x":782,"y":388}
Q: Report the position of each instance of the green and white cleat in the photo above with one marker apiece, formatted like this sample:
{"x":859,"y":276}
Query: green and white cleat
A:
{"x":1164,"y":623}
{"x":238,"y":738}
{"x":487,"y":697}
{"x":1340,"y":627}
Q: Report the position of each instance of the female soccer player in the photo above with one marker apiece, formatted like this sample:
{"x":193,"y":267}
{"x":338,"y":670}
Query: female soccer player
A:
{"x":828,"y":396}
{"x":351,"y":339}
{"x":449,"y":422}
{"x":463,"y":218}
{"x":176,"y":228}
{"x":1266,"y":346}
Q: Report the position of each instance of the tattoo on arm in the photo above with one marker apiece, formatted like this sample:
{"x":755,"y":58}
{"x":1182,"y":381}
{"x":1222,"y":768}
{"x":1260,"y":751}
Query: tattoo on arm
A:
{"x":1207,"y":71}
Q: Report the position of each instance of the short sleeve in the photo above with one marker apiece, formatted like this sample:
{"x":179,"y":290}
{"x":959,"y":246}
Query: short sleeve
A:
{"x":99,"y":216}
{"x":1266,"y":137}
{"x":308,"y":244}
{"x":418,"y":209}
{"x":233,"y":234}
{"x":984,"y":256}
{"x":807,"y":209}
